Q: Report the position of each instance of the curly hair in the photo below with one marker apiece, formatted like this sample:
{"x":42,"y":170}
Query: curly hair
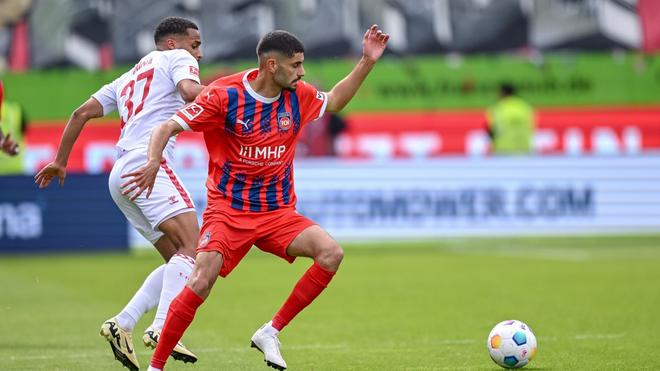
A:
{"x":173,"y":26}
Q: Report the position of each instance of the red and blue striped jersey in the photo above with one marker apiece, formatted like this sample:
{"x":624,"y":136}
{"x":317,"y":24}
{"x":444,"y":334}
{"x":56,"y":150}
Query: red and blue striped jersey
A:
{"x":251,"y":140}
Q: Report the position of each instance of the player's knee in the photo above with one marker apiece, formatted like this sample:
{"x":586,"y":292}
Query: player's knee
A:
{"x":201,"y":286}
{"x":331,"y":256}
{"x":202,"y":282}
{"x":187,"y":251}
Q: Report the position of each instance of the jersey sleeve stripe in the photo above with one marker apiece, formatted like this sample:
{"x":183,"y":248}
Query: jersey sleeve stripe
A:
{"x":181,"y":122}
{"x":325,"y":104}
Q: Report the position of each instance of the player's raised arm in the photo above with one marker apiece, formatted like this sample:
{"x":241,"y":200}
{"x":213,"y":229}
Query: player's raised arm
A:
{"x":373,"y":46}
{"x":143,"y":178}
{"x":87,"y":111}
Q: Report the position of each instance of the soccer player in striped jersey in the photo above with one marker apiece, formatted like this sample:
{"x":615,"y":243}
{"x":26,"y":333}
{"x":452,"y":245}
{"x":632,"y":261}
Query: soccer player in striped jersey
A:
{"x":150,"y":92}
{"x":251,"y":122}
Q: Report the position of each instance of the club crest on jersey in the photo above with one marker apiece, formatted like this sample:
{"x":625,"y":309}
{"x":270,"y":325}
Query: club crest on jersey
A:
{"x":283,"y":121}
{"x":204,"y":241}
{"x":192,"y":110}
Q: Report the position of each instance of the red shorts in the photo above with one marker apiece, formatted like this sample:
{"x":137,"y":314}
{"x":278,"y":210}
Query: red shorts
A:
{"x":232,"y":233}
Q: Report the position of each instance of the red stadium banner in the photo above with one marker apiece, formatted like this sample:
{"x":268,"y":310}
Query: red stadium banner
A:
{"x":559,"y":131}
{"x":571,"y":131}
{"x":94,"y":151}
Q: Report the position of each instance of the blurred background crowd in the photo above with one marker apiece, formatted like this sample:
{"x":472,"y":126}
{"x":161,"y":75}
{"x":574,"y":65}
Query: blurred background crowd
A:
{"x":485,"y":117}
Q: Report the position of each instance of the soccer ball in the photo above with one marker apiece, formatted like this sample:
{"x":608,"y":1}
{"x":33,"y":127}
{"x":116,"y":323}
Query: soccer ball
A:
{"x":511,"y":344}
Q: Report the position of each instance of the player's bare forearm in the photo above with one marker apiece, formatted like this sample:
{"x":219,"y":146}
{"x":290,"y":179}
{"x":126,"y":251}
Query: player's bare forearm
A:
{"x":143,"y":179}
{"x":373,"y":46}
{"x":345,"y":90}
{"x":90,"y":109}
{"x":159,"y":138}
{"x":87,"y":111}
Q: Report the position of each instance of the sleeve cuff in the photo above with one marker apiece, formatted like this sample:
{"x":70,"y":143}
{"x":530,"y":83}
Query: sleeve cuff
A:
{"x":178,"y":79}
{"x":325,"y":104}
{"x":106,"y":109}
{"x":181,"y":122}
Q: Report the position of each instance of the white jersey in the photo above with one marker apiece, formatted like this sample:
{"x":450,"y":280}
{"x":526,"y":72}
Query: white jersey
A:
{"x":147,"y":96}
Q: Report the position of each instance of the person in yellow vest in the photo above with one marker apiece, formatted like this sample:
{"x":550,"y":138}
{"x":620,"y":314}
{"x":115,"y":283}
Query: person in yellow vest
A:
{"x":511,"y":123}
{"x":12,"y":130}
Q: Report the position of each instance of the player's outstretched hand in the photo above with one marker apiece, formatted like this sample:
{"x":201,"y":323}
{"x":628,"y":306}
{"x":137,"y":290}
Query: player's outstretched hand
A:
{"x":374,"y":43}
{"x":142,"y":179}
{"x":45,"y":175}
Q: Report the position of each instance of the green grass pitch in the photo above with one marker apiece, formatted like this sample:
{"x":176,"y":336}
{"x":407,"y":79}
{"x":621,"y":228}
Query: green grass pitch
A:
{"x":593,"y":303}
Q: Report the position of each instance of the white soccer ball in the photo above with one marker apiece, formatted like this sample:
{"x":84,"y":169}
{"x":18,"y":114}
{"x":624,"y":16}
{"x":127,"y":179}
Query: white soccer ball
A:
{"x":511,"y":344}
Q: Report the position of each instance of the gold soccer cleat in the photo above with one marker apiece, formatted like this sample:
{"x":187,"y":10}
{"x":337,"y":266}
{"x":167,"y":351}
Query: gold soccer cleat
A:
{"x":121,"y":343}
{"x":179,"y":353}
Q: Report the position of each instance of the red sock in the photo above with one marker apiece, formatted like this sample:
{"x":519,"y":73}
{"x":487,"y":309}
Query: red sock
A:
{"x":311,"y":284}
{"x":179,"y":316}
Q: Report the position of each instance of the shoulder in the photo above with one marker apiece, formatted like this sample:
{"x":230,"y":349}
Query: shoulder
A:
{"x":119,"y":80}
{"x":179,"y":56}
{"x":305,"y":89}
{"x":212,"y":95}
{"x":304,"y":86}
{"x":232,"y":80}
{"x":306,"y":92}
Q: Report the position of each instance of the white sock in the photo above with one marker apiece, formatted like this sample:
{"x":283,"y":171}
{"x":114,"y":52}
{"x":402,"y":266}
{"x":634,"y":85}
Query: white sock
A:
{"x":154,"y":369}
{"x":144,"y":299}
{"x":176,"y":275}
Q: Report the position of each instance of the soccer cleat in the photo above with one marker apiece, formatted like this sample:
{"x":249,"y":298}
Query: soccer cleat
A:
{"x":121,"y":343}
{"x":269,"y":345}
{"x":180,"y":352}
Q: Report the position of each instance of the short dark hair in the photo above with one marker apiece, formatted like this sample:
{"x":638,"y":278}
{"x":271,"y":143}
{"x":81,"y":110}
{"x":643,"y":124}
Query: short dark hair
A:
{"x":507,"y":88}
{"x":173,"y":26}
{"x":280,"y":41}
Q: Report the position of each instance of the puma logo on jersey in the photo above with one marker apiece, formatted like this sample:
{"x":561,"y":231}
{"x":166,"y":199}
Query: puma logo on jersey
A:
{"x":244,"y":123}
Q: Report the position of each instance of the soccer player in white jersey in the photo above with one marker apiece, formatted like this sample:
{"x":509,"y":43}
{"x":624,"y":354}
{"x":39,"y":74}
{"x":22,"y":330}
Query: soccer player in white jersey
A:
{"x":145,"y":96}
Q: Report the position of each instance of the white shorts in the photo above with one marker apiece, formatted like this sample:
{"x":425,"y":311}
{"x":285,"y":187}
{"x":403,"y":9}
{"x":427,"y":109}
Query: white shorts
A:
{"x":168,"y":198}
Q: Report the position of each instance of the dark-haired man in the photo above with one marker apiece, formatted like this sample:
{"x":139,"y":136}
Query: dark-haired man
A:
{"x":251,"y":122}
{"x":150,"y":92}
